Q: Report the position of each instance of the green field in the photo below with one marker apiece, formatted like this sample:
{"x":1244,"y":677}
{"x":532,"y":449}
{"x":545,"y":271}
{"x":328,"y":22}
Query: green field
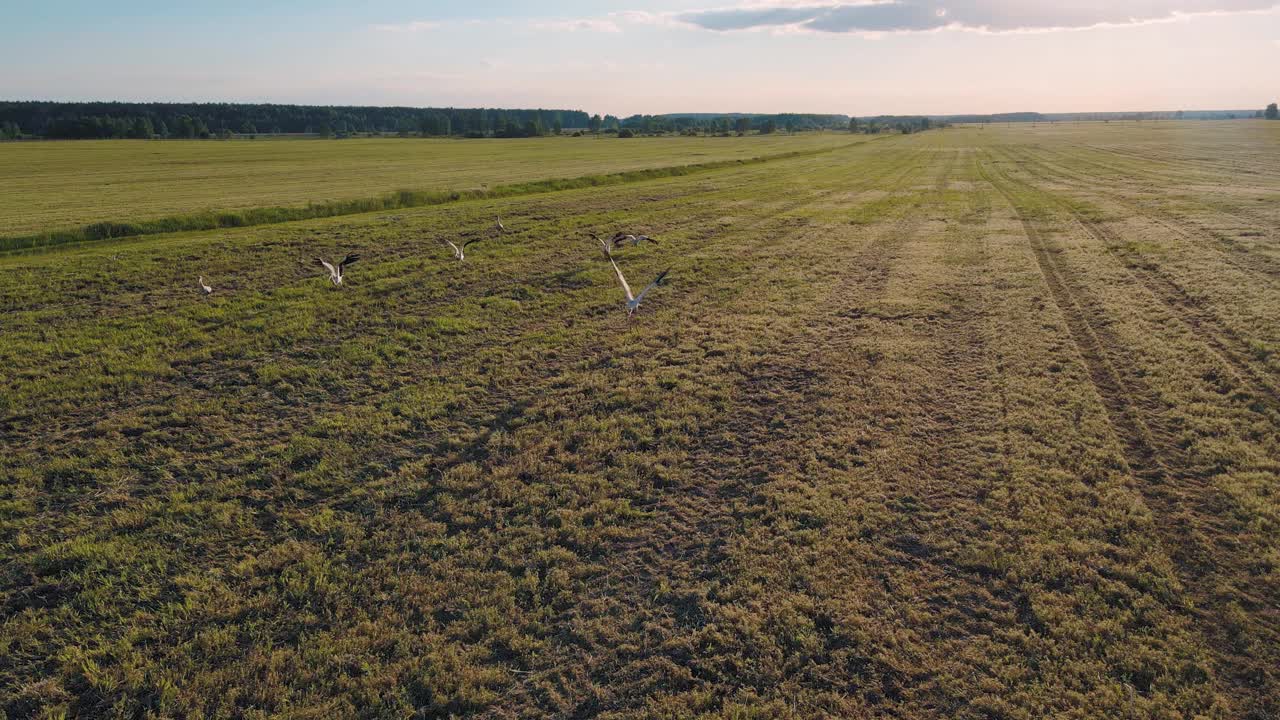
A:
{"x":61,"y":185}
{"x":974,"y":423}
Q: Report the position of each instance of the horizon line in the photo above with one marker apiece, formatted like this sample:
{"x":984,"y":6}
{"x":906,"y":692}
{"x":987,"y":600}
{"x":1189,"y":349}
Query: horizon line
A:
{"x":621,"y":117}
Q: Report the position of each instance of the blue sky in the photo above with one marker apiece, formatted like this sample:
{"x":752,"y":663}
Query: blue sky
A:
{"x":860,"y":57}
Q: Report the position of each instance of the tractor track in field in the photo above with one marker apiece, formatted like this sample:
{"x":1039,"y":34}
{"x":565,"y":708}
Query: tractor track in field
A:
{"x":869,"y":273}
{"x":1206,"y":171}
{"x":1235,"y":253}
{"x":1224,"y":342}
{"x":1252,"y":220}
{"x":698,"y":520}
{"x":1182,"y":166}
{"x":1120,"y":400}
{"x":1183,"y":504}
{"x":1202,"y":322}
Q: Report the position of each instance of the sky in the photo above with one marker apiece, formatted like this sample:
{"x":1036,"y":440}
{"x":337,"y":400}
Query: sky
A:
{"x":865,"y":57}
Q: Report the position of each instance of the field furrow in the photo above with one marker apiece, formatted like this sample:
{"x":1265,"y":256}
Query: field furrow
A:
{"x":1188,"y":503}
{"x":1251,"y":255}
{"x":1195,"y":314}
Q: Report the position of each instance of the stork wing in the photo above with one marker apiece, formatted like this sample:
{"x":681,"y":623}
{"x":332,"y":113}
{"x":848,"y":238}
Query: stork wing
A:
{"x":646,"y":237}
{"x":474,"y":239}
{"x":656,"y":282}
{"x":350,"y":259}
{"x":625,"y":287}
{"x":327,"y":266}
{"x":451,"y":245}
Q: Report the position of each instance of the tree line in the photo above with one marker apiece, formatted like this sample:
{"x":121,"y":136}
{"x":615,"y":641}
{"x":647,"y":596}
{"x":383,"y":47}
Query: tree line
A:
{"x":101,"y":120}
{"x":1034,"y":117}
{"x":905,"y":124}
{"x":731,"y":123}
{"x":106,"y":120}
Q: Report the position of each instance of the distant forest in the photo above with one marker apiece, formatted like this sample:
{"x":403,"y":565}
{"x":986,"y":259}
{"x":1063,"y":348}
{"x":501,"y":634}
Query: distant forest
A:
{"x":1104,"y":116}
{"x":202,"y":120}
{"x":101,"y":120}
{"x":733,"y":122}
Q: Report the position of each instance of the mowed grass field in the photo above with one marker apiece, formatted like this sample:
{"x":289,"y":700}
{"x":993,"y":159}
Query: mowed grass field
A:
{"x":975,"y":423}
{"x":64,"y":185}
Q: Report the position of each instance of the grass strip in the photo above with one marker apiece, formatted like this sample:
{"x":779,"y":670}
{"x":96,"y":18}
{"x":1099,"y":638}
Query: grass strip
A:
{"x":398,"y":200}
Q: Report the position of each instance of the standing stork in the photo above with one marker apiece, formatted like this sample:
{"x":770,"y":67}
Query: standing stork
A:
{"x":205,"y":288}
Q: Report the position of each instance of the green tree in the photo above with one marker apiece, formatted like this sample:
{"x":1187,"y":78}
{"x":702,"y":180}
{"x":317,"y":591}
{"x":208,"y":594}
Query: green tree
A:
{"x":184,"y":127}
{"x":853,"y":124}
{"x":1273,"y":113}
{"x":770,"y":126}
{"x":141,"y":129}
{"x":742,"y":125}
{"x":595,"y":123}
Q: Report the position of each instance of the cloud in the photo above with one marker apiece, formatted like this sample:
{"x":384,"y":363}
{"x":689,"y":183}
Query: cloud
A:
{"x":889,"y":16}
{"x":408,"y":27}
{"x":612,"y":22}
{"x":587,"y":25}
